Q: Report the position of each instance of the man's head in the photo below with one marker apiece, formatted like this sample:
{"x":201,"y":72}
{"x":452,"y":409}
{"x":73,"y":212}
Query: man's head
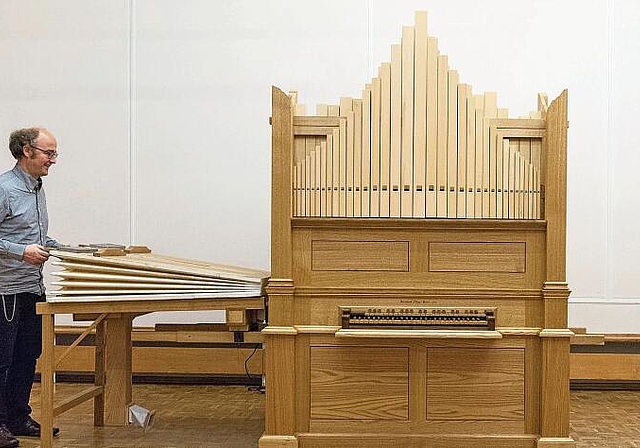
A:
{"x":35,"y":149}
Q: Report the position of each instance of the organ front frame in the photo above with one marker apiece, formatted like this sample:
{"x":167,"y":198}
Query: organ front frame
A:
{"x":455,"y":227}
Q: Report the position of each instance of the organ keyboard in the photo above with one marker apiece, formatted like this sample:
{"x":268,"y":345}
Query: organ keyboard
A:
{"x":419,"y":318}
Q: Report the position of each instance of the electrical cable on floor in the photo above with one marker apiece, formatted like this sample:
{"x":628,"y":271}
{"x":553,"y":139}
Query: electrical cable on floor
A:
{"x":259,"y":388}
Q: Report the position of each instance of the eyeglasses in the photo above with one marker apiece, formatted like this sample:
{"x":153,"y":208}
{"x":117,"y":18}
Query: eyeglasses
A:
{"x":50,"y":154}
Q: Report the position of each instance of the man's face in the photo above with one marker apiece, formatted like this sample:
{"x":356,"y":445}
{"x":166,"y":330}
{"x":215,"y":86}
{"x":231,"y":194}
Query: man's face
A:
{"x":40,"y":155}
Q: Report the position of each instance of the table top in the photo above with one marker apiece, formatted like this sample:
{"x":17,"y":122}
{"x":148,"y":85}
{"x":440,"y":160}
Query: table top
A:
{"x":146,"y":303}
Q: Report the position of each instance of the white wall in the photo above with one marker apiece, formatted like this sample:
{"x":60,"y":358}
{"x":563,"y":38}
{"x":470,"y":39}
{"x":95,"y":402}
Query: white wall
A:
{"x":161,"y":112}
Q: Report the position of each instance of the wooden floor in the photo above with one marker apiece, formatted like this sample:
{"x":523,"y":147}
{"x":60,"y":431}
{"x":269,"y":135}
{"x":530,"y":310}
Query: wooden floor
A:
{"x":233,"y":417}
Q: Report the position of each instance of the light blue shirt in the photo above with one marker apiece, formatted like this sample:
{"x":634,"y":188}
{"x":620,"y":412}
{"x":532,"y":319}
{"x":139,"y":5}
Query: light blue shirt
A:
{"x":23,"y":221}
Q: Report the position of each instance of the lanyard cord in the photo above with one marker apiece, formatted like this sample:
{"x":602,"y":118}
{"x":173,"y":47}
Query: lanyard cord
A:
{"x":4,"y":308}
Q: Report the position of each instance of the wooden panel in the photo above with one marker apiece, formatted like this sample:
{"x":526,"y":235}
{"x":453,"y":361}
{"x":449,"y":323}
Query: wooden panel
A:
{"x":477,"y":257}
{"x":418,"y":233}
{"x":360,"y":255}
{"x":475,"y":384}
{"x":368,"y":440}
{"x":213,"y":361}
{"x":280,"y":387}
{"x":605,"y":366}
{"x":345,"y":386}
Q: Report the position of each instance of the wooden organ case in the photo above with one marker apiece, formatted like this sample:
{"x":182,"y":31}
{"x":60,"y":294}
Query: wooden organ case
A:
{"x":419,"y":199}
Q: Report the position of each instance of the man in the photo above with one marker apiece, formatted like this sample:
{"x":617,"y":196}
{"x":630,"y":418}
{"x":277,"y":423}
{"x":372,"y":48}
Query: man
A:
{"x":23,"y":242}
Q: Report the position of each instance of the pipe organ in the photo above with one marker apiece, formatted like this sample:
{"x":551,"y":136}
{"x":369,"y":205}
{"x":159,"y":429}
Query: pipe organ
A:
{"x":418,"y":293}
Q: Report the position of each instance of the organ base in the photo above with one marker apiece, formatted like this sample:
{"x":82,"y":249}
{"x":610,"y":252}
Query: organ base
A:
{"x":336,"y":379}
{"x":406,"y":392}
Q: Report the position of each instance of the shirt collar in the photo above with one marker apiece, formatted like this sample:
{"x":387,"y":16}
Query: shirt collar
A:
{"x":31,"y":183}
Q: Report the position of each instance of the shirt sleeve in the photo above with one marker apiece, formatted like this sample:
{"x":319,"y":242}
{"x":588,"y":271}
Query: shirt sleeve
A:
{"x":8,"y":248}
{"x":50,"y":242}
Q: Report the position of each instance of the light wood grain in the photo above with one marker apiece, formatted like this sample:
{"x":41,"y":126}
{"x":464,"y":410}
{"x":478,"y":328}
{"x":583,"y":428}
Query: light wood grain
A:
{"x":360,"y":255}
{"x":343,"y":385}
{"x":475,"y":384}
{"x":496,"y":201}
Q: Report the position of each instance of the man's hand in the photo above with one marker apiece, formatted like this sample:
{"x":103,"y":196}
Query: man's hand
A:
{"x":35,"y":254}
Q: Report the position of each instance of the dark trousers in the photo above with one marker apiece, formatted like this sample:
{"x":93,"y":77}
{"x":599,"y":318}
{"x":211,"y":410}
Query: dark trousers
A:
{"x":20,"y":347}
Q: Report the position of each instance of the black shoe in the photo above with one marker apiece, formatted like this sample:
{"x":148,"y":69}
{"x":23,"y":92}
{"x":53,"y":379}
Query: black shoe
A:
{"x":28,"y":428}
{"x":6,"y":438}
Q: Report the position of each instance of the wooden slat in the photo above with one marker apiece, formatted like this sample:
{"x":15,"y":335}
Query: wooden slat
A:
{"x":489,"y":171}
{"x":313,"y":180}
{"x":296,"y":190}
{"x":420,"y":117}
{"x":323,"y":177}
{"x":536,"y":150}
{"x":76,"y":399}
{"x":464,"y":90}
{"x":349,"y":167}
{"x":311,"y":121}
{"x":79,"y":339}
{"x":346,"y":165}
{"x":162,"y":263}
{"x":85,"y":269}
{"x":406,"y":157}
{"x":506,"y":152}
{"x":471,"y":155}
{"x":452,"y":144}
{"x":396,"y":130}
{"x":443,"y":113}
{"x":357,"y":158}
{"x":513,"y":152}
{"x":480,"y":182}
{"x":432,"y":124}
{"x":330,"y":181}
{"x":335,"y":173}
{"x":497,"y":141}
{"x":375,"y":148}
{"x":385,"y":138}
{"x":308,"y":199}
{"x":300,"y":174}
{"x":316,"y":177}
{"x":311,"y":130}
{"x":106,"y":277}
{"x":588,"y":339}
{"x":366,"y":151}
{"x":342,"y":191}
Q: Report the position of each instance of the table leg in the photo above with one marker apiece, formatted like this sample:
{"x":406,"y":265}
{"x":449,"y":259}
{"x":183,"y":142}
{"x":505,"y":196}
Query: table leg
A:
{"x":46,"y":380}
{"x":117,"y":359}
{"x":100,"y":374}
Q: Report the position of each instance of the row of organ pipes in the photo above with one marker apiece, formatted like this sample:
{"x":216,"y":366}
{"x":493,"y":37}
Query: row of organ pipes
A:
{"x":417,"y":144}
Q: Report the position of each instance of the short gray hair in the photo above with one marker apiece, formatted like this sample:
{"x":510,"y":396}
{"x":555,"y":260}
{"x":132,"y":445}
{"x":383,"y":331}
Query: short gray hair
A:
{"x":20,"y":138}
